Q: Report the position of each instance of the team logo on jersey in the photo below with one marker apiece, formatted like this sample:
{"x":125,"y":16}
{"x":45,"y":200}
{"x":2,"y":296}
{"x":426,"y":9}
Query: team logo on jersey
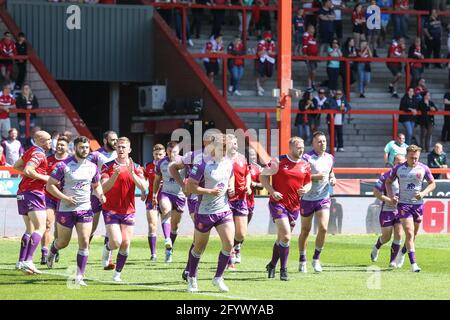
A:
{"x":286,"y":167}
{"x":418,"y":175}
{"x":410,"y":186}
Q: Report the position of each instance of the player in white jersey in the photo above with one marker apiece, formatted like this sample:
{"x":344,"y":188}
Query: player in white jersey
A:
{"x":410,"y":175}
{"x":213,"y":181}
{"x":78,"y":177}
{"x":169,"y":197}
{"x":317,"y":201}
{"x":389,"y":221}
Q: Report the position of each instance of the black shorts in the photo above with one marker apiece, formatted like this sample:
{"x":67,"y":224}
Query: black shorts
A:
{"x":395,"y":69}
{"x":358,"y":29}
{"x":211,"y":67}
{"x":265,"y":69}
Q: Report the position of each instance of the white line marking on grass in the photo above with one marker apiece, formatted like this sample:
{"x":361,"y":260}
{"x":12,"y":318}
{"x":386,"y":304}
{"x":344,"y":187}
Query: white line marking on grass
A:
{"x":133,"y":284}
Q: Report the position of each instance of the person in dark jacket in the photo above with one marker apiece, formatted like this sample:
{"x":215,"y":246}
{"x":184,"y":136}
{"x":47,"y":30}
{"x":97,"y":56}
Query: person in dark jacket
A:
{"x":416,"y":51}
{"x":26,"y":100}
{"x":408,"y":104}
{"x":22,"y":50}
{"x":437,"y":158}
{"x":338,"y":103}
{"x":445,"y":135}
{"x":302,"y":121}
{"x":426,"y":121}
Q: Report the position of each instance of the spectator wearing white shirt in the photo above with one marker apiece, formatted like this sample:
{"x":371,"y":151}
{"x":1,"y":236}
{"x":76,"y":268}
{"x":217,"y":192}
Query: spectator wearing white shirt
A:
{"x":12,"y":147}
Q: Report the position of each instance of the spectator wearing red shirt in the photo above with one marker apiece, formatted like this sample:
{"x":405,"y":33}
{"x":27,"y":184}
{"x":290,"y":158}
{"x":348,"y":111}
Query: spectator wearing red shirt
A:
{"x":2,"y":157}
{"x":359,"y":23}
{"x":396,"y":50}
{"x":214,"y":45}
{"x":401,"y":20}
{"x":310,"y":48}
{"x":266,"y":53}
{"x":7,"y":102}
{"x":236,"y":48}
{"x":7,"y":50}
{"x":416,"y":51}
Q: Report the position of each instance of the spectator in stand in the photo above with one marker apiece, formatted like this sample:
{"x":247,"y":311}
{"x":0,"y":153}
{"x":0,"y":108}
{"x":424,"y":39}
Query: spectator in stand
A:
{"x":333,"y":66}
{"x":26,"y":100}
{"x":373,"y":26}
{"x":320,"y":101}
{"x":437,"y":159}
{"x":299,"y":30}
{"x":266,"y":53}
{"x":338,"y":5}
{"x":218,"y":16}
{"x":214,"y":45}
{"x":338,"y":103}
{"x":364,"y":68}
{"x":264,"y":22}
{"x":396,"y":50}
{"x":394,"y":148}
{"x":7,"y":50}
{"x":326,"y":25}
{"x":55,"y":136}
{"x":420,"y":90}
{"x":310,"y":16}
{"x":12,"y":147}
{"x":409,"y":104}
{"x":426,"y":121}
{"x":401,"y":20}
{"x":307,"y":103}
{"x":7,"y":102}
{"x":22,"y":50}
{"x":448,"y":52}
{"x":69,"y":137}
{"x":385,"y":18}
{"x":349,"y":51}
{"x":416,"y":51}
{"x":29,"y":142}
{"x":311,"y":49}
{"x":197,"y":17}
{"x":248,"y":15}
{"x":236,"y":48}
{"x":445,"y":135}
{"x":359,"y":24}
{"x":432,"y":34}
{"x":179,"y":22}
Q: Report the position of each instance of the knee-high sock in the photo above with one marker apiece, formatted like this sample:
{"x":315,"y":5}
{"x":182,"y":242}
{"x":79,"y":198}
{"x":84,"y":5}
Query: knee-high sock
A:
{"x":379,"y":243}
{"x":237,"y":246}
{"x":173,"y":236}
{"x":317,"y":253}
{"x":82,"y":259}
{"x":24,"y":243}
{"x":404,"y":250}
{"x":34,"y":243}
{"x":166,"y":229}
{"x":189,"y":255}
{"x":283,"y":248}
{"x":194,"y":259}
{"x":121,"y":259}
{"x":395,"y":248}
{"x":412,"y":256}
{"x":302,"y":256}
{"x":222,"y":263}
{"x":152,"y":243}
{"x":275,"y":254}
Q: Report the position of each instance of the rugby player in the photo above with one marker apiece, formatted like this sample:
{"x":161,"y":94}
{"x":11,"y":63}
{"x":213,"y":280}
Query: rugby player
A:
{"x":255,"y":172}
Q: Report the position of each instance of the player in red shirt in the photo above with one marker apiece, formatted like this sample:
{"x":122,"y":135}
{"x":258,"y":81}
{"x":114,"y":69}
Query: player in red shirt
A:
{"x":119,"y":181}
{"x":31,"y":199}
{"x":238,"y":202}
{"x":396,"y":50}
{"x":7,"y":102}
{"x":255,"y":172}
{"x":310,"y":48}
{"x":266,"y":53}
{"x":7,"y":50}
{"x":291,"y":179}
{"x":159,"y":152}
{"x":62,"y":153}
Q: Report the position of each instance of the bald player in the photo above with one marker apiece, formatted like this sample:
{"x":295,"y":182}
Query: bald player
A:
{"x":31,"y":199}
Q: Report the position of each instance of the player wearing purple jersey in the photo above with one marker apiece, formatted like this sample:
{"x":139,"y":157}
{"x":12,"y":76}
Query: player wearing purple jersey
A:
{"x":410,"y":175}
{"x":169,"y":196}
{"x":317,"y":201}
{"x":78,"y":177}
{"x":389,"y":221}
{"x":187,"y":162}
{"x":213,"y":181}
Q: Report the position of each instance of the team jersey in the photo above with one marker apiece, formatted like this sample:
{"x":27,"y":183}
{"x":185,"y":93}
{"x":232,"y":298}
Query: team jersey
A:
{"x":120,"y":198}
{"x":410,"y":180}
{"x":98,"y":158}
{"x":51,"y":164}
{"x":395,"y":51}
{"x":169,"y":185}
{"x":212,"y":47}
{"x":36,"y":156}
{"x":13,"y":151}
{"x":319,"y":189}
{"x":291,"y":176}
{"x":105,"y":157}
{"x":299,"y":23}
{"x":310,"y":47}
{"x":266,"y":46}
{"x":150,"y":174}
{"x":7,"y":49}
{"x":76,"y":179}
{"x":380,"y":185}
{"x":240,"y":171}
{"x":212,"y":174}
{"x":255,"y":172}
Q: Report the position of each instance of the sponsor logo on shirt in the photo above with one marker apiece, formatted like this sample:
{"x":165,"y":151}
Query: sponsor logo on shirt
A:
{"x":410,"y":186}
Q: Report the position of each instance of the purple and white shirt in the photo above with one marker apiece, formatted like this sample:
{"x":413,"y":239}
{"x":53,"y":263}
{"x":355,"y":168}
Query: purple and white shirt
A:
{"x":212,"y":174}
{"x":410,"y":180}
{"x":319,"y":189}
{"x":13,"y":151}
{"x":380,"y":185}
{"x":76,"y":179}
{"x":105,"y":157}
{"x":169,"y":186}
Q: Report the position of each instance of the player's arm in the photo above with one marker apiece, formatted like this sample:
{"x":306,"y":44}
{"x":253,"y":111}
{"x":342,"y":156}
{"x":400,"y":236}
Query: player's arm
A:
{"x":388,"y":185}
{"x":52,"y":188}
{"x":174,"y":170}
{"x":380,"y":196}
{"x":332,"y":178}
{"x":109,"y":181}
{"x":30,"y":172}
{"x":248,"y":183}
{"x":138,"y":179}
{"x":193,"y":186}
{"x":19,"y":165}
{"x":231,"y":189}
{"x":265,"y":181}
{"x":431,"y":186}
{"x":98,"y":192}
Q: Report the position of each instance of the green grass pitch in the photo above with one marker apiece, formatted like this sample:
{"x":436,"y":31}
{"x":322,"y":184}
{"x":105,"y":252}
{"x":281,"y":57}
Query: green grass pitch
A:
{"x":348,"y":273}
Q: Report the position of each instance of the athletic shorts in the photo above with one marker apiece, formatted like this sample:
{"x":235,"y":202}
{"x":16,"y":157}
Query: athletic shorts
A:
{"x":211,"y":67}
{"x":239,"y":208}
{"x":205,"y":222}
{"x":278,"y":211}
{"x":71,"y":218}
{"x":388,"y":218}
{"x":118,"y":218}
{"x":51,"y":203}
{"x":265,"y":69}
{"x":395,"y":69}
{"x":95,"y":204}
{"x":308,"y":208}
{"x":192,"y":204}
{"x":178,"y":203}
{"x":30,"y":201}
{"x":414,"y":211}
{"x":311,"y":66}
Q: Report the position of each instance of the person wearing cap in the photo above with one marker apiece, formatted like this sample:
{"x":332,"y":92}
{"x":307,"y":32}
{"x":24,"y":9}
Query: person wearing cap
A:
{"x":266,"y":53}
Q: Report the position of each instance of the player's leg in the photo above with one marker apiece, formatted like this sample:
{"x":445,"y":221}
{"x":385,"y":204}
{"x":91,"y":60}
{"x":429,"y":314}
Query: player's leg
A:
{"x":226,"y":233}
{"x":95,"y":221}
{"x":64,"y":226}
{"x":385,"y":237}
{"x":38,"y":220}
{"x":114,"y":240}
{"x":127,"y":232}
{"x":283,"y":240}
{"x":175,"y":222}
{"x":47,"y":237}
{"x":84,"y":232}
{"x":323,"y":217}
{"x":241,"y":226}
{"x":152,"y":220}
{"x":396,"y":243}
{"x":408,"y":226}
{"x":166,"y":207}
{"x":306,"y":225}
{"x":25,"y":241}
{"x":186,"y":269}
{"x":201,"y":240}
